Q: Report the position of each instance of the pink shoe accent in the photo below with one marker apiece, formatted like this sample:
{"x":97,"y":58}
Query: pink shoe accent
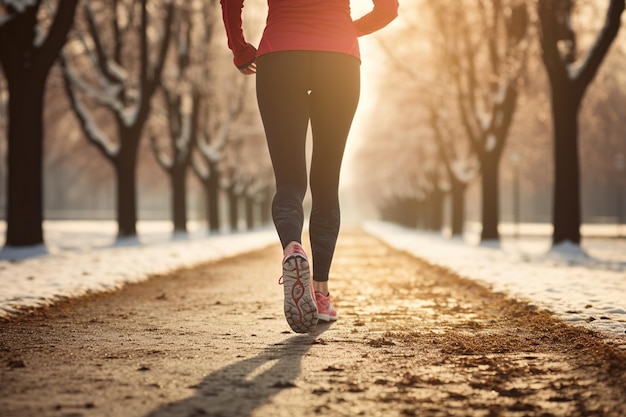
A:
{"x":295,"y":250}
{"x":325,"y":308}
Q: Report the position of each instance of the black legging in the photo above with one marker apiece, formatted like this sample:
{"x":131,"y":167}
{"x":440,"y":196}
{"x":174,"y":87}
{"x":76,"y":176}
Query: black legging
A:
{"x":294,"y":87}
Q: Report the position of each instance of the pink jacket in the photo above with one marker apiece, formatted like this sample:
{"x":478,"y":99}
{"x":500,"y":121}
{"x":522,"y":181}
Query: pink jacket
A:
{"x":312,"y":25}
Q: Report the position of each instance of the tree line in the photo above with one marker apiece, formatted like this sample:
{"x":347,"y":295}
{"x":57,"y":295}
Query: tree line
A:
{"x":467,"y":76}
{"x":133,"y":71}
{"x":465,"y":66}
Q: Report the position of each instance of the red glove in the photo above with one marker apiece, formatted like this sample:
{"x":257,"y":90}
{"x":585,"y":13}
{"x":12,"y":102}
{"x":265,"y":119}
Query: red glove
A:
{"x":244,"y":57}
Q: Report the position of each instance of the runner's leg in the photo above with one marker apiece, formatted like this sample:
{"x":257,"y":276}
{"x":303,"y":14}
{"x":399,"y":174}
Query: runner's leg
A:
{"x":334,"y":98}
{"x":282,"y":94}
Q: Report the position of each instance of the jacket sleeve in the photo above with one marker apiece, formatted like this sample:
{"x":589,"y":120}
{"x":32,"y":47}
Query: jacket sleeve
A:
{"x":382,"y":14}
{"x":244,"y":53}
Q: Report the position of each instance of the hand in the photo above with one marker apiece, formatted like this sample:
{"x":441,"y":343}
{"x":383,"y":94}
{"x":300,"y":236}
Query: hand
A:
{"x":249,"y":70}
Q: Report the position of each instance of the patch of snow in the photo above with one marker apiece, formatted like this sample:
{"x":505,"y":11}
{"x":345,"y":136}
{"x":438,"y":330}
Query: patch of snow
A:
{"x":117,"y":71}
{"x":129,"y":115}
{"x":5,"y":19}
{"x":17,"y":253}
{"x":83,"y":257}
{"x":503,"y":88}
{"x":40,"y":37}
{"x":485,"y":120}
{"x":462,"y":170}
{"x":581,"y":289}
{"x":491,"y":142}
{"x":19,"y":5}
{"x":94,"y":132}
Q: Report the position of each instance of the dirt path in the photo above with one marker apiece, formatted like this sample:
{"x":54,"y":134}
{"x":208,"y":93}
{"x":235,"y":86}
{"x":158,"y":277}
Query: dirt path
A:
{"x":412,"y":340}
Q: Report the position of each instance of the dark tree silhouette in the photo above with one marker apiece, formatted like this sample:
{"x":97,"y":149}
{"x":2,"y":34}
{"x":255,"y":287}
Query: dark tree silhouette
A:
{"x":460,"y":170}
{"x":129,"y":104}
{"x":232,"y":182}
{"x":569,"y":80}
{"x":434,"y":202}
{"x":183,"y":127}
{"x":26,"y":60}
{"x":211,"y":143}
{"x":265,"y":200}
{"x":3,"y":125}
{"x":182,"y":107}
{"x":486,"y":96}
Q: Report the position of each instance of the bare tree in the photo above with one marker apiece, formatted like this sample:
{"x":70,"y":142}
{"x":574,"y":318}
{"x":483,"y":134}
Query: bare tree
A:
{"x":460,"y":169}
{"x":232,"y":183}
{"x":3,"y":156}
{"x":182,"y":106}
{"x":454,"y":154}
{"x":255,"y":174}
{"x":26,"y":56}
{"x":127,"y":98}
{"x":569,"y":80}
{"x":434,"y":199}
{"x":218,"y":112}
{"x":485,"y":65}
{"x":211,"y":145}
{"x":182,"y":114}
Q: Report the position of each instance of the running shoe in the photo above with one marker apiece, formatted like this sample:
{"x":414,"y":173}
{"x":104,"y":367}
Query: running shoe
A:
{"x":325,"y":308}
{"x":300,"y":306}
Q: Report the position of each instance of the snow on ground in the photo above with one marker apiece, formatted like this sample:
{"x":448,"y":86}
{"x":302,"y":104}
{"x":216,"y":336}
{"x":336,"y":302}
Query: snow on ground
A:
{"x":583,"y":287}
{"x":82,"y":257}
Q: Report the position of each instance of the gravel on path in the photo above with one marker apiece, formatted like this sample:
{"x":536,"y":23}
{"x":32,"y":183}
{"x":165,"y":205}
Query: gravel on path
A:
{"x":412,"y":339}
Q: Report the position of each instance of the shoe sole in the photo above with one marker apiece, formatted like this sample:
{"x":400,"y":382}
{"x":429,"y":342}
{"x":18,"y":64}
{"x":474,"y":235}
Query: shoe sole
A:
{"x":326,"y":317}
{"x":300,"y":307}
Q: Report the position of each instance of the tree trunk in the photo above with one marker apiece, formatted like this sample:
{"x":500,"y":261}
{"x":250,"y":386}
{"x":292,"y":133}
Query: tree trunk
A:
{"x":410,"y":209}
{"x":266,"y":207}
{"x":458,"y":208}
{"x":213,"y":200}
{"x":233,"y":210}
{"x":249,"y":213}
{"x":568,"y":89}
{"x":490,"y":197}
{"x":207,"y":204}
{"x":422,"y":214}
{"x":25,"y":156}
{"x":436,"y":211}
{"x":26,"y":63}
{"x":566,"y":209}
{"x":179,"y":199}
{"x":126,"y":175}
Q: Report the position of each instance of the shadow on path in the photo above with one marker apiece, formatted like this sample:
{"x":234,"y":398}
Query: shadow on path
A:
{"x":242,"y":387}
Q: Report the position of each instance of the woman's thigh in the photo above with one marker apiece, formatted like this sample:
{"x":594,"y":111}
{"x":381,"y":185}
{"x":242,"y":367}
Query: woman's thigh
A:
{"x":334,"y":99}
{"x":283,"y":99}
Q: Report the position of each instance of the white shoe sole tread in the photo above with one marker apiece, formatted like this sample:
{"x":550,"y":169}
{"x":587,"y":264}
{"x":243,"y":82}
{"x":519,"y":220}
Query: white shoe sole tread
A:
{"x":300,"y":307}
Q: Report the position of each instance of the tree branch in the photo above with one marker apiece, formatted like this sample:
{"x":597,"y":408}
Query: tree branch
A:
{"x":95,"y":135}
{"x":101,"y":55}
{"x":57,"y":35}
{"x":555,"y":66}
{"x":160,"y":157}
{"x":143,"y":45}
{"x":155,"y":77}
{"x":101,"y":98}
{"x":600,"y":48}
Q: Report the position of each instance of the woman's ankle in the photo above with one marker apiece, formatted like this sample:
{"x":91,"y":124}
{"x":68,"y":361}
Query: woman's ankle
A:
{"x":321,"y":287}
